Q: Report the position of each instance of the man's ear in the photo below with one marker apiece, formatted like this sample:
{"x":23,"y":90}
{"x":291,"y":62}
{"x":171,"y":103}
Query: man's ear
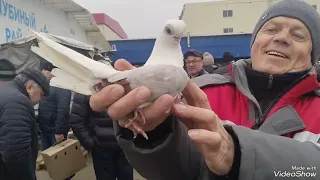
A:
{"x":29,"y":87}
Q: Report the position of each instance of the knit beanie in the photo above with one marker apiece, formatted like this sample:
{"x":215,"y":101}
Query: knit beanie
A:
{"x":208,"y":59}
{"x":299,"y":10}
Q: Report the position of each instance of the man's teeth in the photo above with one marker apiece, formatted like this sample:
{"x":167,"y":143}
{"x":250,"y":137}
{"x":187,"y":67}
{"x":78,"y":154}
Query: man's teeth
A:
{"x":276,"y":54}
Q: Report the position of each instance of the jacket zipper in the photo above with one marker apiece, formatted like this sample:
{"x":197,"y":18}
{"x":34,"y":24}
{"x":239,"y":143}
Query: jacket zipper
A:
{"x":262,"y":118}
{"x":270,"y":81}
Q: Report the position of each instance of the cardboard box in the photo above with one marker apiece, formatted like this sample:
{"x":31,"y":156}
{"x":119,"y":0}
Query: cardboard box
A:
{"x":64,"y":159}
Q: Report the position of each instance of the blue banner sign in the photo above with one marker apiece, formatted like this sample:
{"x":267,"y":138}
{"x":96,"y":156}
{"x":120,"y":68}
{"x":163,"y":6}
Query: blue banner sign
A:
{"x":12,"y":34}
{"x":20,"y":16}
{"x":16,"y":14}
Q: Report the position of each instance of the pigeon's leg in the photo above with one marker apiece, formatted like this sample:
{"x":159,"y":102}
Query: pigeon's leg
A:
{"x":177,"y":99}
{"x":136,"y":129}
{"x":140,"y":113}
{"x":137,"y":115}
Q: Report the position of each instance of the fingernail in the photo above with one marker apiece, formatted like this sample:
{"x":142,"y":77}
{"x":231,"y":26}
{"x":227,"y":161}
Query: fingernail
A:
{"x":193,"y":133}
{"x":180,"y":107}
{"x":168,"y":111}
{"x":142,"y":94}
{"x":114,"y":89}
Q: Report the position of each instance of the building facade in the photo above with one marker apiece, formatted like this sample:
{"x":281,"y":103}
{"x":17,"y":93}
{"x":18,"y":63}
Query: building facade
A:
{"x":63,"y":18}
{"x":226,"y":17}
{"x":109,"y":27}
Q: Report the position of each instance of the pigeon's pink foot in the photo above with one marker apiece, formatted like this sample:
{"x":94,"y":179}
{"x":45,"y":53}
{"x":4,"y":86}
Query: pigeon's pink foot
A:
{"x":142,"y":118}
{"x":133,"y":124}
{"x":177,"y":99}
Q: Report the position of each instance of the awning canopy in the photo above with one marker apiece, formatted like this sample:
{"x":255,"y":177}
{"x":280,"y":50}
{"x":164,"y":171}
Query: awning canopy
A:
{"x":60,"y":39}
{"x":84,"y":19}
{"x":18,"y":54}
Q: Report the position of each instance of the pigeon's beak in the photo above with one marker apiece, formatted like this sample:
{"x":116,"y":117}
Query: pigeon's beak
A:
{"x":177,"y":38}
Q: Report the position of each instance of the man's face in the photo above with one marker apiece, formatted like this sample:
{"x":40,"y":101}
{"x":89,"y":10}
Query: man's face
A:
{"x":194,"y":64}
{"x":35,"y":92}
{"x":282,"y":45}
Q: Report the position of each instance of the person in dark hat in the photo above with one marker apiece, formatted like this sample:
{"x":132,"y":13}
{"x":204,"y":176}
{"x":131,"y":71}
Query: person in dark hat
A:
{"x":18,"y":130}
{"x":53,"y":113}
{"x":194,"y":63}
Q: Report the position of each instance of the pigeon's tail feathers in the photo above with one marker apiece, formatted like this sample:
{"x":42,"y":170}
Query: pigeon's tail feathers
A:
{"x":64,"y":63}
{"x":71,"y":61}
{"x":67,"y":81}
{"x":120,"y":76}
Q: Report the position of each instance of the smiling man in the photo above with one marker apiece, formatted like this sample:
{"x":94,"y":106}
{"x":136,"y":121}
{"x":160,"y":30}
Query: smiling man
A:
{"x":284,"y":45}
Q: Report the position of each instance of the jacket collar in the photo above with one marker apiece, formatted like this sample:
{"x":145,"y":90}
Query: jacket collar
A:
{"x":238,"y":74}
{"x":281,"y":120}
{"x":20,"y":87}
{"x":202,"y":72}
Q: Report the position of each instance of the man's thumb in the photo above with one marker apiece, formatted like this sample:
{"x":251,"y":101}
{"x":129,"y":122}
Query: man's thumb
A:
{"x":122,"y":65}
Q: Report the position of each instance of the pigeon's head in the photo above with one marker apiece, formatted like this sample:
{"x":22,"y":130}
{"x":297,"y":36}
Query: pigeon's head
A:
{"x":174,"y":29}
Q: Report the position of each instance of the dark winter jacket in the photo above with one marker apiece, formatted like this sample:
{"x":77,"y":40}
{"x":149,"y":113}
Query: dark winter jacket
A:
{"x":18,"y":133}
{"x":54,"y":111}
{"x":202,"y":72}
{"x":90,"y":127}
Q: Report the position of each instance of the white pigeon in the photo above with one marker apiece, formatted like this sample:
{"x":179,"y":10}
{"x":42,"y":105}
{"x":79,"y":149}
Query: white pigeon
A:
{"x":162,"y":73}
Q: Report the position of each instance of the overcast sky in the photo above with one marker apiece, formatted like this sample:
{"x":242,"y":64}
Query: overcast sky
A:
{"x":138,"y":18}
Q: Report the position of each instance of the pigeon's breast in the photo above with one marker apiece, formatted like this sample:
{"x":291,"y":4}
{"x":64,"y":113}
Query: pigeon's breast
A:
{"x":160,"y":79}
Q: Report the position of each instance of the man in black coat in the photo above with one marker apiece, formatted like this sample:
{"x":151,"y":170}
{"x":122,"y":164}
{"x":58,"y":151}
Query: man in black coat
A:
{"x":95,"y":132}
{"x":18,"y":130}
{"x":53,"y":115}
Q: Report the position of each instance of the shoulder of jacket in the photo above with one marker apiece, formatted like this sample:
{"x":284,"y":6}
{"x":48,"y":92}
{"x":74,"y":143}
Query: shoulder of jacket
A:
{"x":212,"y":79}
{"x":317,"y":92}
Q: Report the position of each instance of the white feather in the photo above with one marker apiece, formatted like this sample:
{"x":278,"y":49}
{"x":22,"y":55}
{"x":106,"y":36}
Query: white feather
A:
{"x":66,"y":80}
{"x":73,"y":62}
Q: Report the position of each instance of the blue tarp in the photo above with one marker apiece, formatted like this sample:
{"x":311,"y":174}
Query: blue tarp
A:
{"x":138,"y":50}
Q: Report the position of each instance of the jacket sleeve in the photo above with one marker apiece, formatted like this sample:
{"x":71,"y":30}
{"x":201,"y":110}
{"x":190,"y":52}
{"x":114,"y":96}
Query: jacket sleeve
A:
{"x":267,"y":157}
{"x":168,"y":154}
{"x":79,"y":117}
{"x":63,"y":108}
{"x":16,"y":127}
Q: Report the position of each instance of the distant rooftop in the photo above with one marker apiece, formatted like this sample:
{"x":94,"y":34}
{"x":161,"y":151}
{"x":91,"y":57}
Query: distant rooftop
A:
{"x":114,"y":25}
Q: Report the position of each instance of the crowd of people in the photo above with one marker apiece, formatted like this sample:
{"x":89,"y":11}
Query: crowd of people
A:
{"x":254,"y":118}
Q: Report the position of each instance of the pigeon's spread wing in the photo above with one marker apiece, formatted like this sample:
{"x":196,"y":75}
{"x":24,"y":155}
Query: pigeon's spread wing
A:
{"x":65,"y":80}
{"x":70,"y":61}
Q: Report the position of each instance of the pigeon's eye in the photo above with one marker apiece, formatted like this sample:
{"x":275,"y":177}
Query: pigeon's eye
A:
{"x":168,"y":30}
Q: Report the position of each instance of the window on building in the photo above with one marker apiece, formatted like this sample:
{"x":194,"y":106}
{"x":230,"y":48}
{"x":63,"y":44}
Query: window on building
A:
{"x":314,"y":6}
{"x":227,"y":13}
{"x":227,"y":30}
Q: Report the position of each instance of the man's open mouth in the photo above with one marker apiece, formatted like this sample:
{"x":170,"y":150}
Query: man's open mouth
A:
{"x":277,"y":54}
